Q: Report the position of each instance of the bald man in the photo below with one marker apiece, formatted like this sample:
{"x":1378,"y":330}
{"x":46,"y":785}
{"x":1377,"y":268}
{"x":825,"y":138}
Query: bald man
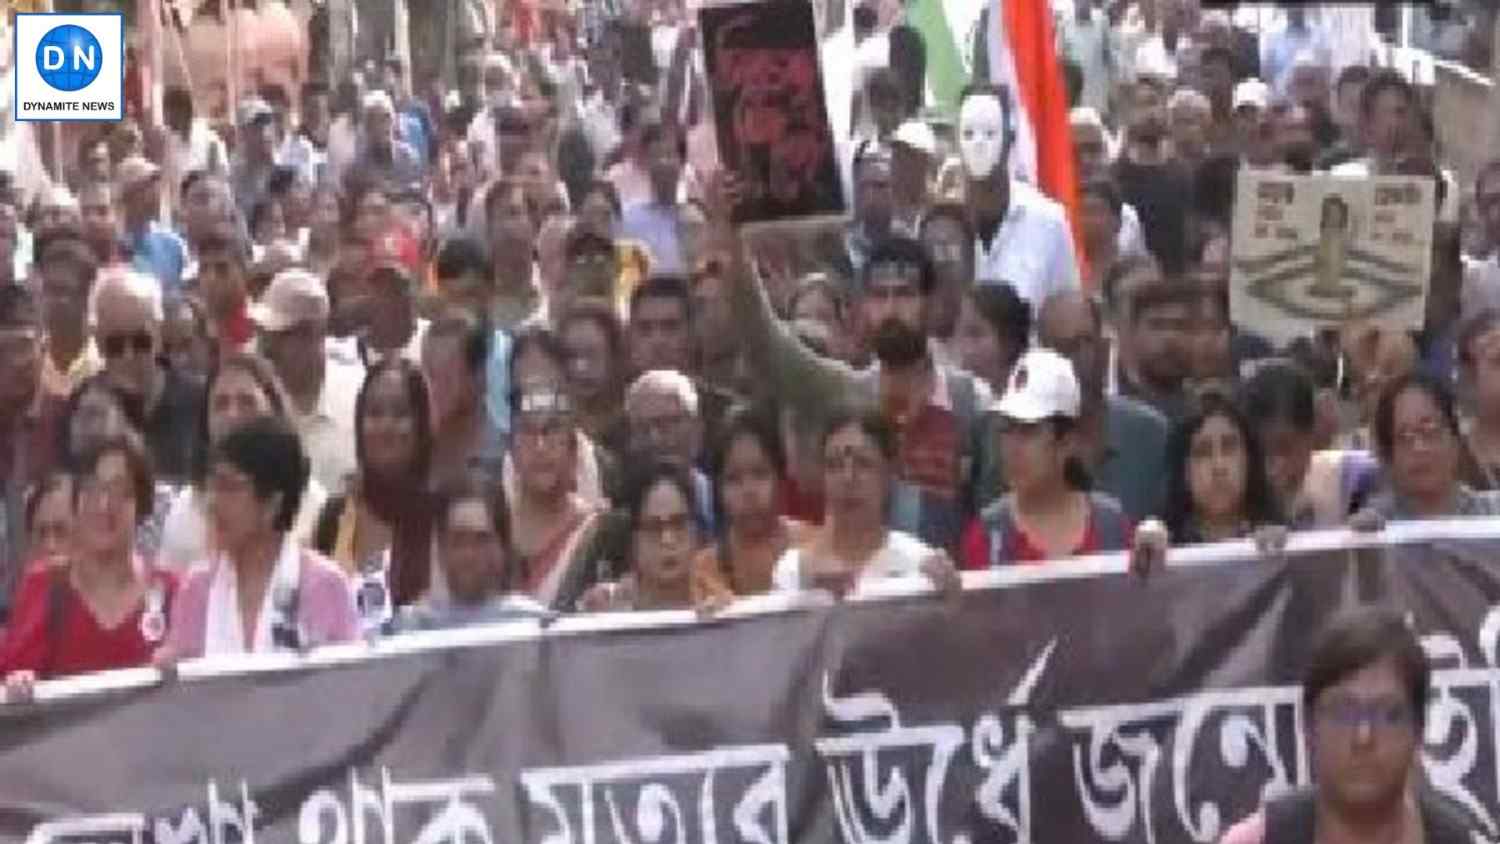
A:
{"x":1123,"y":442}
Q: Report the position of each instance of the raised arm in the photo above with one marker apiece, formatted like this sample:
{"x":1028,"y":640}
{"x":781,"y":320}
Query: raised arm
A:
{"x":810,"y":382}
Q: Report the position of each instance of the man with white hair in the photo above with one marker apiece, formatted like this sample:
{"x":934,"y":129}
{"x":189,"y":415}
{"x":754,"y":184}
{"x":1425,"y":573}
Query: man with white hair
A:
{"x":661,"y":410}
{"x":166,"y":405}
{"x":384,"y":158}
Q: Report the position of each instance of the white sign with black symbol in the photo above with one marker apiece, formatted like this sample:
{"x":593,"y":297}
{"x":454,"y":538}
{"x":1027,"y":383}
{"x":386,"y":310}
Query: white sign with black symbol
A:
{"x":1315,"y":251}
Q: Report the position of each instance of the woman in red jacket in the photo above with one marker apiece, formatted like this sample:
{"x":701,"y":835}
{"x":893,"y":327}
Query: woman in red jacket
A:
{"x":105,"y":609}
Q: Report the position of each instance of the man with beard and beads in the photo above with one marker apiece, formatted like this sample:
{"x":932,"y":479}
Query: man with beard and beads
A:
{"x":1023,"y":237}
{"x":946,"y":451}
{"x":1364,"y":693}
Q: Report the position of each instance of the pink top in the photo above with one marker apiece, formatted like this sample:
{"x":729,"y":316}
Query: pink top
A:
{"x":325,"y":607}
{"x":1251,"y":830}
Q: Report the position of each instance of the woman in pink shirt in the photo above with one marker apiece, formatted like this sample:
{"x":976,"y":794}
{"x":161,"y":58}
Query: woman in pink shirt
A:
{"x":262,"y":592}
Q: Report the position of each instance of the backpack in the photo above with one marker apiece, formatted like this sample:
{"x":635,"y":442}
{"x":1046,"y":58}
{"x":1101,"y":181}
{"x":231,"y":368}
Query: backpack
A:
{"x":1107,"y":520}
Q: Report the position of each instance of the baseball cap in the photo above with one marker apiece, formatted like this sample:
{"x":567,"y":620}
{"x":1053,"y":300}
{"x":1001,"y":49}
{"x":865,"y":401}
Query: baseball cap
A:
{"x":134,"y":172}
{"x":1252,"y":92}
{"x":917,"y":135}
{"x":1042,"y":385}
{"x":254,"y":109}
{"x":293,"y":296}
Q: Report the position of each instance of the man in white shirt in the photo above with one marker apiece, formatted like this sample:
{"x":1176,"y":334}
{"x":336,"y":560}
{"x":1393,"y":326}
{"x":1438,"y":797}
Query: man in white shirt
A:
{"x":1023,"y":237}
{"x":292,"y":316}
{"x":192,"y":145}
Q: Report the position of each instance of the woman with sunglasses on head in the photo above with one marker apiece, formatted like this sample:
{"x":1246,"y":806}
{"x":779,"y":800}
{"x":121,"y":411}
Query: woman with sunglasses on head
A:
{"x":749,"y":473}
{"x":1049,"y":514}
{"x":260,"y":591}
{"x":243,"y":388}
{"x":476,"y":558}
{"x":107,"y":608}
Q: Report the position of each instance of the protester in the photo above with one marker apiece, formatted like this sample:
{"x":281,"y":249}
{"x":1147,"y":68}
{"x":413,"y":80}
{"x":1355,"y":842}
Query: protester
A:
{"x":50,"y":522}
{"x":595,"y":343}
{"x":260,"y":591}
{"x":67,"y":270}
{"x":994,"y":327}
{"x":28,"y":423}
{"x":1120,"y":441}
{"x":553,"y":521}
{"x":243,"y":388}
{"x":855,"y":549}
{"x":1365,"y":691}
{"x":1049,"y":513}
{"x":475,"y":554}
{"x":1421,"y":445}
{"x":749,"y":469}
{"x":380,"y":524}
{"x":664,"y":539}
{"x":107,"y":608}
{"x":454,"y":353}
{"x":1216,"y":476}
{"x":186,"y":340}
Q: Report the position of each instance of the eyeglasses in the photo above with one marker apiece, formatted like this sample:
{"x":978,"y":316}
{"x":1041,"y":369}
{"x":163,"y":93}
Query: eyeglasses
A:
{"x":116,"y":345}
{"x":1348,"y":713}
{"x":1428,"y":435}
{"x":660,"y":528}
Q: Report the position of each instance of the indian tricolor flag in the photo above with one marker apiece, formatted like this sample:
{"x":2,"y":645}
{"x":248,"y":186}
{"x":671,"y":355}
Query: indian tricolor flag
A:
{"x":1013,"y":45}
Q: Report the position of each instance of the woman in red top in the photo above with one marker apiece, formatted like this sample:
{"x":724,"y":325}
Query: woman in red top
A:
{"x":1048,"y":514}
{"x":104,"y":610}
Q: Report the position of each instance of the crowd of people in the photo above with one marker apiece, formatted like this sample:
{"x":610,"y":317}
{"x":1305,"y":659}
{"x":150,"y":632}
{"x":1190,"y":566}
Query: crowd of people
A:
{"x":389,"y":362}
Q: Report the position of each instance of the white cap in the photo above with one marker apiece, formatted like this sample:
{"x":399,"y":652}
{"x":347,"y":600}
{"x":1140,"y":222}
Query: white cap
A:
{"x":1252,"y":92}
{"x":917,"y":135}
{"x":1042,"y":385}
{"x":294,"y":296}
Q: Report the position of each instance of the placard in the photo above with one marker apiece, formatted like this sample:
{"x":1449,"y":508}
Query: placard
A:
{"x":1313,"y":251}
{"x":770,"y":113}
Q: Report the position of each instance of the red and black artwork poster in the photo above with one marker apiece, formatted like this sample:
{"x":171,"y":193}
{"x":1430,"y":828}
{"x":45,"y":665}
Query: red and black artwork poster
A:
{"x":769,"y":110}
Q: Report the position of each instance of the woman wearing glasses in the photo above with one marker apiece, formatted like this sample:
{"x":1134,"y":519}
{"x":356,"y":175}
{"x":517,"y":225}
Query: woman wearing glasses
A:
{"x":107,"y":609}
{"x":262,"y":591}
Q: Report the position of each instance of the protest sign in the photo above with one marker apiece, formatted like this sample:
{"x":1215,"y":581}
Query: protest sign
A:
{"x":770,"y":111}
{"x":1072,"y":704}
{"x":1312,"y":251}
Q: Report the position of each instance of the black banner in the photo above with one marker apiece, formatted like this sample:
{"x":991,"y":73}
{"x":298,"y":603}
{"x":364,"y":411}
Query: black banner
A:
{"x":1065,"y":704}
{"x":770,"y":115}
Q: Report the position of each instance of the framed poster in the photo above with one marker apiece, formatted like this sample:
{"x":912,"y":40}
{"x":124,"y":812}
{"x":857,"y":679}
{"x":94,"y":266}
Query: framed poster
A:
{"x":1314,"y":251}
{"x":770,"y":114}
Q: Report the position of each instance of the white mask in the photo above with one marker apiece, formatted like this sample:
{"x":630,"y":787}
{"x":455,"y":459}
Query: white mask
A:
{"x":981,"y":135}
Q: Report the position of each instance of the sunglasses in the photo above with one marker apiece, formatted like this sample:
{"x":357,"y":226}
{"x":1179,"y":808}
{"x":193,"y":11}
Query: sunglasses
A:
{"x":115,"y":345}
